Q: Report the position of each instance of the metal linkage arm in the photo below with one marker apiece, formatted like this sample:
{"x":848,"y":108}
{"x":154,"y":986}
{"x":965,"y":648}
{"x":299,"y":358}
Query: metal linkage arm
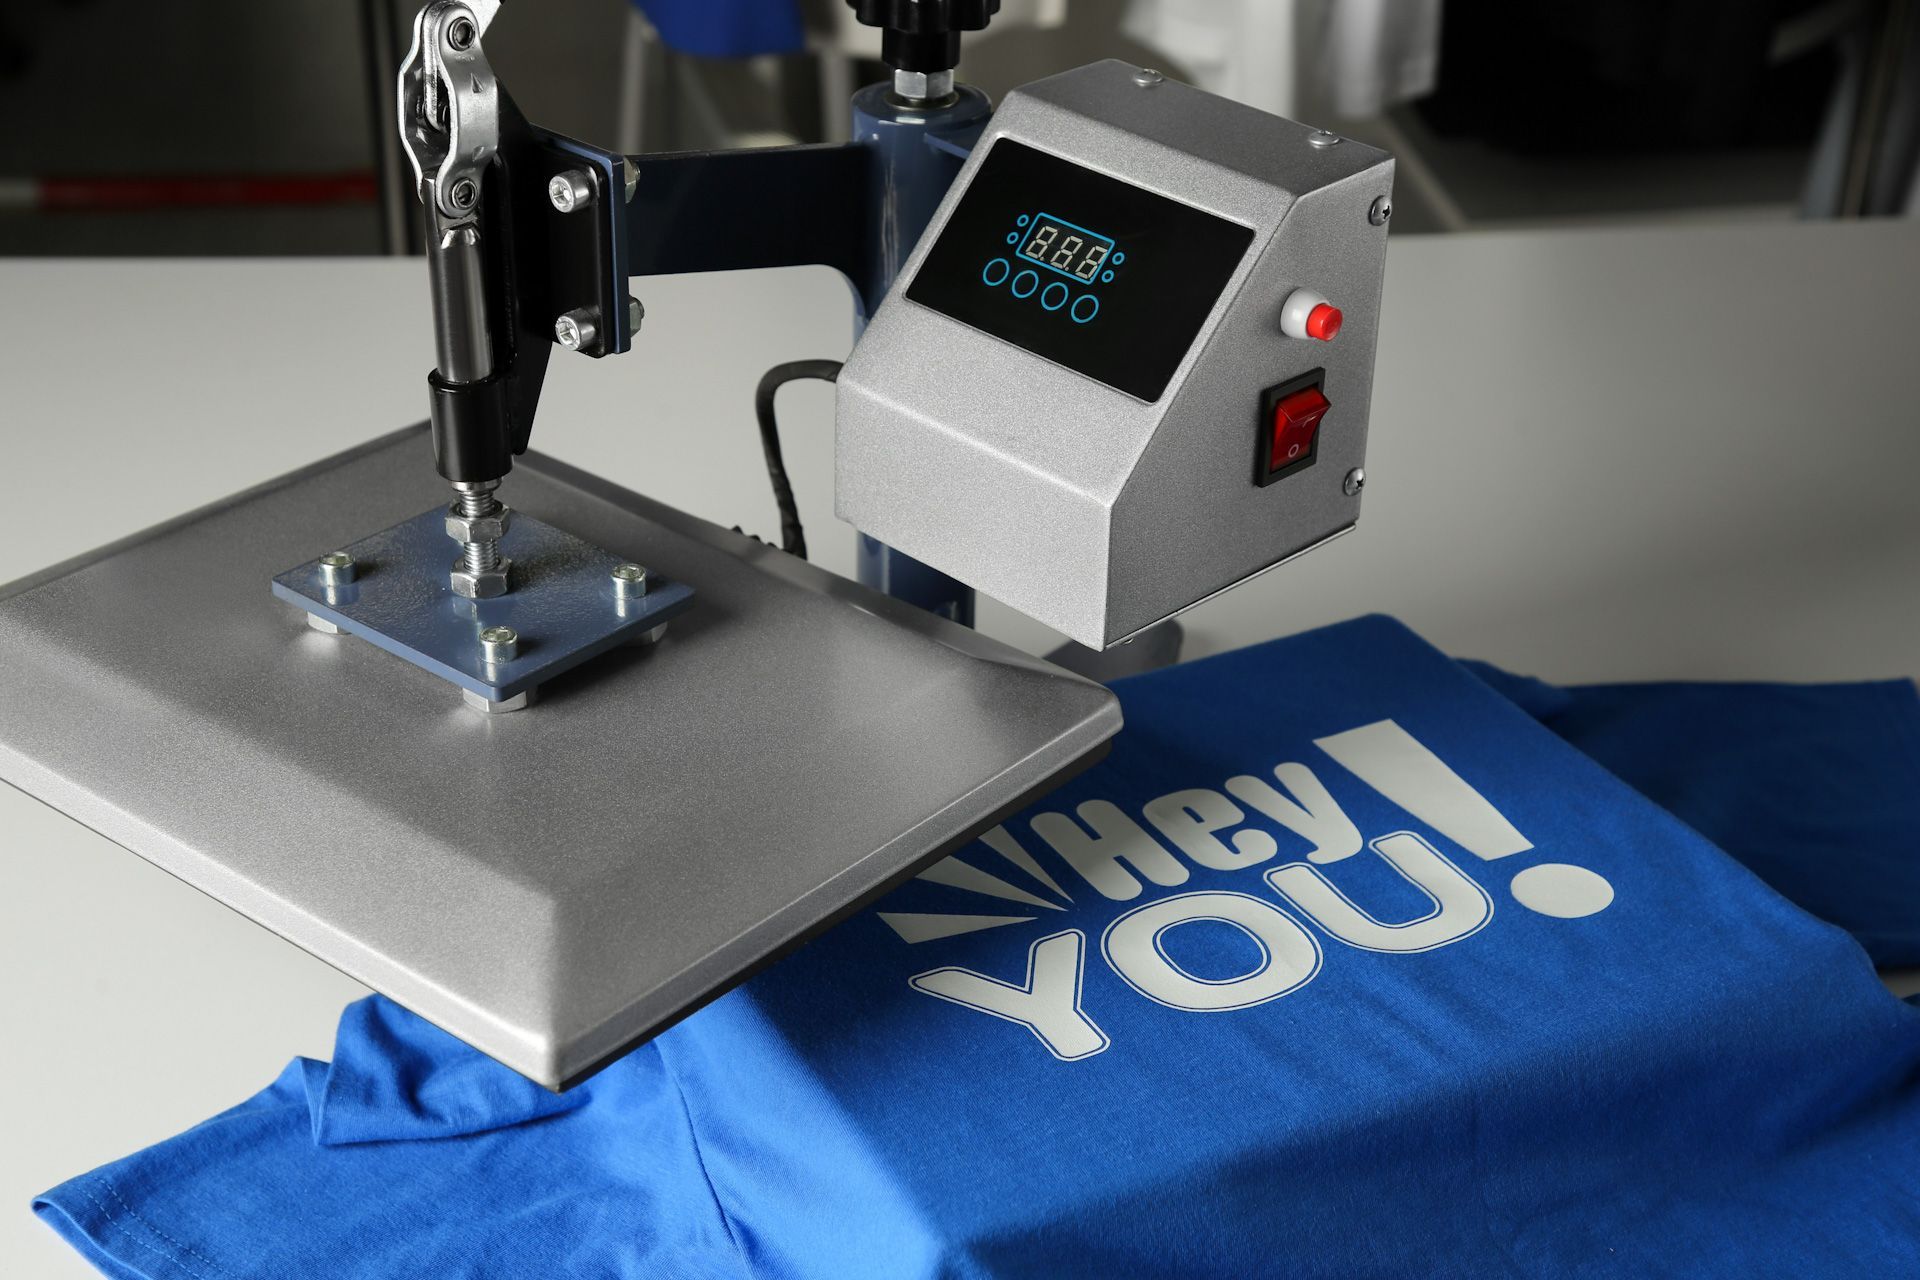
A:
{"x":532,"y":237}
{"x":766,"y":207}
{"x":509,"y":268}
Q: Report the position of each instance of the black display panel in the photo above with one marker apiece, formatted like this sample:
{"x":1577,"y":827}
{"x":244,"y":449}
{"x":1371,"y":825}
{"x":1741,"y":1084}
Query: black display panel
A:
{"x":1106,"y":278}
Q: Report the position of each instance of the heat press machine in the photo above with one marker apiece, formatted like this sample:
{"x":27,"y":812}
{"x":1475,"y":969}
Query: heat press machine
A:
{"x":1115,"y":355}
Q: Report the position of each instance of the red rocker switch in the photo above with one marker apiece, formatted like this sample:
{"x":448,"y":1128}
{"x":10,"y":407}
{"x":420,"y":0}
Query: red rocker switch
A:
{"x":1291,"y":415}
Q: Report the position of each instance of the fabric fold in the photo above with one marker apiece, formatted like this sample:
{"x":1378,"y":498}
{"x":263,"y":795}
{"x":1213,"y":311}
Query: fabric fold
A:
{"x":1815,"y":788}
{"x":397,"y":1077}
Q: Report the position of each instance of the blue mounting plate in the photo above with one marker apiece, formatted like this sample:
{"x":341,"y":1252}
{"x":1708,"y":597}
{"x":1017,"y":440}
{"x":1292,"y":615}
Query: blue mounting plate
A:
{"x":562,"y":603}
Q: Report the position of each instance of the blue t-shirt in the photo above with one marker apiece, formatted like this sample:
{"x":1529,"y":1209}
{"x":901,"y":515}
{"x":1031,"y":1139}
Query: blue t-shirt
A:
{"x":1815,"y":788}
{"x":1340,"y":965}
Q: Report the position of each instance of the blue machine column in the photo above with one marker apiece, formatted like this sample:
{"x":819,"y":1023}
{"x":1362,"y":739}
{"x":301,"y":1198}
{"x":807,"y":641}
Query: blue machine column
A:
{"x":918,"y":147}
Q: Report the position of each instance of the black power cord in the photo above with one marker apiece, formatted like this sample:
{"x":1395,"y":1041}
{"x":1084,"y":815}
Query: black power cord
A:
{"x":792,"y":539}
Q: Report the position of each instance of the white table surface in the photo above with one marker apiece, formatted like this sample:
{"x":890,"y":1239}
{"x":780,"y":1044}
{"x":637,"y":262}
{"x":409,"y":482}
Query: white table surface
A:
{"x":1595,"y":455}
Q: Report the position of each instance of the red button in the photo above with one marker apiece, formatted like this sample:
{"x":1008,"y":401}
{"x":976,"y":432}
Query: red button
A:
{"x":1324,"y":321}
{"x":1296,"y":420}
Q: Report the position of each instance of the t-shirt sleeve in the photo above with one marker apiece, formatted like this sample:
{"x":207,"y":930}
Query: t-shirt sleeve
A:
{"x":1815,"y":788}
{"x":395,"y":1076}
{"x":608,"y":1186}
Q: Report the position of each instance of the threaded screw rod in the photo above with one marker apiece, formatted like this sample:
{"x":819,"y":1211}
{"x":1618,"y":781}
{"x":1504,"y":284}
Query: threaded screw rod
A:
{"x":476,"y":502}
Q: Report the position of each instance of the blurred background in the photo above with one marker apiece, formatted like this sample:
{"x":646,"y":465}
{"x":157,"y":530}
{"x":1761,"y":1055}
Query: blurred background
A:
{"x":218,"y":127}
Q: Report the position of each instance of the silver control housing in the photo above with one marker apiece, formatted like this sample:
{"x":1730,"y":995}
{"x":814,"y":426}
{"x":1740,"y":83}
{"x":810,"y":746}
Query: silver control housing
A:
{"x":1077,"y":504}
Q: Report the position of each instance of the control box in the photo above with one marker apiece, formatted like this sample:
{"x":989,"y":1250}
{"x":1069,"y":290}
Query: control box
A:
{"x":1129,"y":364}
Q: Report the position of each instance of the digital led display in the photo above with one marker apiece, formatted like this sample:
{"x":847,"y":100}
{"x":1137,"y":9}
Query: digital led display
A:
{"x":1074,"y":252}
{"x":1106,"y":278}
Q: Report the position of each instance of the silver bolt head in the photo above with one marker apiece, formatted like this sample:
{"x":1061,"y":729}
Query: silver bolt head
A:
{"x":922,"y":86}
{"x":480,"y":586}
{"x":635,"y":314}
{"x":629,"y":580}
{"x":519,"y":702}
{"x":1322,"y":138}
{"x":499,"y":644}
{"x":460,"y":33}
{"x":570,"y":190}
{"x":1380,"y":210}
{"x":337,"y":568}
{"x":465,"y":192}
{"x":1147,"y":78}
{"x":629,"y":177}
{"x":1356,"y":481}
{"x":576,"y":329}
{"x":465,"y":528}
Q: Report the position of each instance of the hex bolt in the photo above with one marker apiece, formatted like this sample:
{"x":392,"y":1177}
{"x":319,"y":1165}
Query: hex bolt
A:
{"x":1147,"y":78}
{"x":1356,"y":481}
{"x":629,"y":177}
{"x":922,"y":86}
{"x":478,"y":515}
{"x":460,"y":34}
{"x":577,"y":330}
{"x":519,"y":702}
{"x":1323,"y":139}
{"x":477,"y":520}
{"x":1380,"y":210}
{"x":337,"y":569}
{"x":629,"y":581}
{"x":570,"y":190}
{"x":499,"y":644}
{"x":465,"y":192}
{"x":480,"y":584}
{"x":635,"y":314}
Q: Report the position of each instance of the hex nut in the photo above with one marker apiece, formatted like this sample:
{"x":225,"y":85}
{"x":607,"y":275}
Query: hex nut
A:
{"x":464,"y":528}
{"x":922,"y":86}
{"x":519,"y":702}
{"x":480,"y":586}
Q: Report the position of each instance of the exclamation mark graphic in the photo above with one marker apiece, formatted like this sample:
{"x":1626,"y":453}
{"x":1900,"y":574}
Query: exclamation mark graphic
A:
{"x":1398,"y":766}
